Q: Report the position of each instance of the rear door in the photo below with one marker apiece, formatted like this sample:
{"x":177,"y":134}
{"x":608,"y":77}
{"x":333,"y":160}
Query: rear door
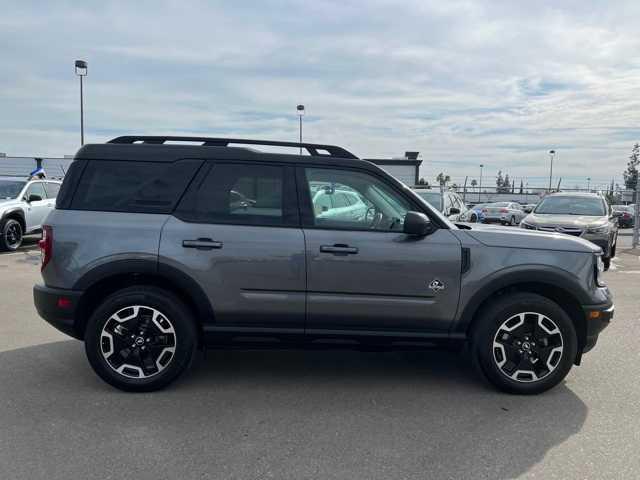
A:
{"x":236,"y":233}
{"x":363,"y":273}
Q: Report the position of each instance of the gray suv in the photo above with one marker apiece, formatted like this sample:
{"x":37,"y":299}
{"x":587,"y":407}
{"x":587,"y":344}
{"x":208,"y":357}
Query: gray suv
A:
{"x":149,"y":256}
{"x":584,"y":215}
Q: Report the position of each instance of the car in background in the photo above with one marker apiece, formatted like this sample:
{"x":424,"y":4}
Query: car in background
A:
{"x":474,"y":214}
{"x":330,"y":203}
{"x":447,"y":202}
{"x":24,"y":204}
{"x":506,"y":213}
{"x":625,"y":214}
{"x":585,"y":215}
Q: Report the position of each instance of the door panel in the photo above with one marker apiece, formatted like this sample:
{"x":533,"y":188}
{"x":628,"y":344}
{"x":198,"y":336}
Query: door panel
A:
{"x":38,"y":210}
{"x":256,"y":278}
{"x":385,"y":285}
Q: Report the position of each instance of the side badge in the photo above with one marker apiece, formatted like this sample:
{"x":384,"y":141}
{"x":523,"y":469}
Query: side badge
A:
{"x":436,"y":285}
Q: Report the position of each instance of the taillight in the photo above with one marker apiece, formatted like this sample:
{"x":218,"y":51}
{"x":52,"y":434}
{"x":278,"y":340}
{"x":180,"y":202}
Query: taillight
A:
{"x":504,"y":210}
{"x":46,"y":246}
{"x":626,"y":215}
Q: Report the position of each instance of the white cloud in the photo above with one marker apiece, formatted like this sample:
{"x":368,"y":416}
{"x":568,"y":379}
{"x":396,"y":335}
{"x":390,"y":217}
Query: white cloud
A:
{"x":464,"y":82}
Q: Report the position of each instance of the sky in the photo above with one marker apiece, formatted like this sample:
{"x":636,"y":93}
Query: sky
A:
{"x":498,"y":83}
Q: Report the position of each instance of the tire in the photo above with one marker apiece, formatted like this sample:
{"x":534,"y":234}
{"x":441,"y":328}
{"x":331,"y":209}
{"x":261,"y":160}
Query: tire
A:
{"x":512,"y":222}
{"x":11,"y":235}
{"x":162,"y":333}
{"x":606,"y":261}
{"x":507,"y":321}
{"x":474,"y":218}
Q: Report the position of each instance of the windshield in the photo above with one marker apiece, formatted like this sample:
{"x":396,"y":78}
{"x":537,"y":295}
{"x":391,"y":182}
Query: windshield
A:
{"x":434,"y":198}
{"x":10,"y":189}
{"x":589,"y":206}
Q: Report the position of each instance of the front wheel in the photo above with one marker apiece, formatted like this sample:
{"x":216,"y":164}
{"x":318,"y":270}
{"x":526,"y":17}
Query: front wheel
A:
{"x":140,"y":339}
{"x":11,"y":234}
{"x":524,"y":343}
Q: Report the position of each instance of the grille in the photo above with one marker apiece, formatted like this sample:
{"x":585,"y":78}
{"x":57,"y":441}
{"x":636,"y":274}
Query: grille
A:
{"x":576,"y":232}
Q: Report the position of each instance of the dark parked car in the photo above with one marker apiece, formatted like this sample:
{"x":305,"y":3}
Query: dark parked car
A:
{"x":625,"y":214}
{"x":148,"y":256}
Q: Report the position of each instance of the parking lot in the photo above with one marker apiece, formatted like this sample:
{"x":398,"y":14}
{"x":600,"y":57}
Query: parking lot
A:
{"x":312,"y":414}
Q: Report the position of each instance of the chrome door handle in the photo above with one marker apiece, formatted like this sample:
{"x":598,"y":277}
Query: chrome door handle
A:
{"x":339,"y":248}
{"x":202,"y":244}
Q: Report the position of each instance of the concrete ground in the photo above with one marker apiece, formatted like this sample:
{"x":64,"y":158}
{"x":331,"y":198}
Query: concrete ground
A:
{"x":320,"y":415}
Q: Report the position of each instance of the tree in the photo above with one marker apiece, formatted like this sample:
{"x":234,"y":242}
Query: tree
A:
{"x":422,"y":181}
{"x":631,"y":173}
{"x":521,"y":187}
{"x":503,"y":184}
{"x":474,"y":182}
{"x":443,"y":179}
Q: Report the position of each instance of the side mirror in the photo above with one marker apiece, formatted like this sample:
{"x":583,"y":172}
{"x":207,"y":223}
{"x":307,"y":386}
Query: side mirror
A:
{"x":34,"y":198}
{"x":454,"y":211}
{"x":416,"y":223}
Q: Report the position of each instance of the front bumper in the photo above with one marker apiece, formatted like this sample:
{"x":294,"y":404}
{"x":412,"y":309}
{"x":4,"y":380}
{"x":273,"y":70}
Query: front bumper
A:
{"x":58,"y":307}
{"x":597,"y":319}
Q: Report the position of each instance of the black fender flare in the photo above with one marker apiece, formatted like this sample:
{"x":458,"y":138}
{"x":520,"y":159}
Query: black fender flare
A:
{"x":548,"y":276}
{"x":15,"y":211}
{"x":150,"y":268}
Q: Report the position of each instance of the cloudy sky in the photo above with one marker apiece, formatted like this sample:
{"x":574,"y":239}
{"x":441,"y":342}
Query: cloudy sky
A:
{"x":463,"y":82}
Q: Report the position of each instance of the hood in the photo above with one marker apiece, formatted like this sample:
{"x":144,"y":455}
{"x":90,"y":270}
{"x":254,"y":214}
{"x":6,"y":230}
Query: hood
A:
{"x":572,"y":221}
{"x":510,"y":237}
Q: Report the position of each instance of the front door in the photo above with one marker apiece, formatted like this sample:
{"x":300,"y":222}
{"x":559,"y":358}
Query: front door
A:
{"x":236,"y":232}
{"x":363,"y":273}
{"x":37,"y":210}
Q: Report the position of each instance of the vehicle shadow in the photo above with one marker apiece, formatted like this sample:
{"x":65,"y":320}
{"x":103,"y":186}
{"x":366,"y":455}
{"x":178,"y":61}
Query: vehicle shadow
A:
{"x":277,"y":414}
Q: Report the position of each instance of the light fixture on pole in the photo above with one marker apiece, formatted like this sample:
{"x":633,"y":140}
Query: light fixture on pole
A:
{"x":552,"y":153}
{"x":480,"y":186}
{"x":300,"y":111}
{"x":81,"y":71}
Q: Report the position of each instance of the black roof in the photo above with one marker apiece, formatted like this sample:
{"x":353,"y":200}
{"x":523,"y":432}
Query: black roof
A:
{"x":156,"y":149}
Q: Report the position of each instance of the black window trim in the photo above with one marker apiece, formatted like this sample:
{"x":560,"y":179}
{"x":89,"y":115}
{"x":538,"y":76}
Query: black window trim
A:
{"x":306,"y":209}
{"x":289,"y":190}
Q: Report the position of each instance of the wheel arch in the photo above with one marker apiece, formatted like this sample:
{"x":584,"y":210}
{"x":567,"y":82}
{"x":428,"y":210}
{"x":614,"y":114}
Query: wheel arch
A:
{"x":565,"y":293}
{"x":104,"y":280}
{"x":16,"y":213}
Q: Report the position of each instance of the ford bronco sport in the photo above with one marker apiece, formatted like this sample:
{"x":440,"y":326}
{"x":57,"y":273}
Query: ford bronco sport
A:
{"x":149,"y":256}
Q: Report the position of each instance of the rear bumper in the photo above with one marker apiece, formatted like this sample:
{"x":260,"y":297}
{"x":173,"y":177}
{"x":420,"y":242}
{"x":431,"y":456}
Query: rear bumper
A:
{"x":597,"y":318}
{"x":58,"y":307}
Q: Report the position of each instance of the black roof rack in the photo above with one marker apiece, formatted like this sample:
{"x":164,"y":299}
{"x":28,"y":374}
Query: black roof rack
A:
{"x":314,"y":149}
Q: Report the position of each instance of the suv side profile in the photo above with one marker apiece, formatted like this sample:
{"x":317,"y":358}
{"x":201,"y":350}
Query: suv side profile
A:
{"x":24,"y":205}
{"x":150,"y":255}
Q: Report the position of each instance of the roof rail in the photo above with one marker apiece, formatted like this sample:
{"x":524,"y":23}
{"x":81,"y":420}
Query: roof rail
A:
{"x":314,"y":149}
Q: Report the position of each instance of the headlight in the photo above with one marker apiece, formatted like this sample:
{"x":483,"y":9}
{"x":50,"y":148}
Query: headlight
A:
{"x":528,"y":226}
{"x":599,"y":268}
{"x":602,"y":229}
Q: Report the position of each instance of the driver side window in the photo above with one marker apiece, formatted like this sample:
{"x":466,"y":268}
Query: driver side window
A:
{"x":346,"y":199}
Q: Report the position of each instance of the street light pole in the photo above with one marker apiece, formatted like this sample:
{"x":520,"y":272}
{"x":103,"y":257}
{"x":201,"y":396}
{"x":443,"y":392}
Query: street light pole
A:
{"x":552,"y":154}
{"x":81,"y":71}
{"x":588,"y":184}
{"x":480,"y":186}
{"x":300,"y":110}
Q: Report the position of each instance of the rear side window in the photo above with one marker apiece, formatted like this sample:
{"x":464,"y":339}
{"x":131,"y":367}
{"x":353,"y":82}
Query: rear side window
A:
{"x":242,"y":194}
{"x":137,"y":187}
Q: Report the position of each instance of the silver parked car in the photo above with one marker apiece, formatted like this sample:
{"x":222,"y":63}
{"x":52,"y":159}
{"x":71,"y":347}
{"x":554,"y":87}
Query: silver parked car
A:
{"x":585,"y":215}
{"x":24,"y":205}
{"x":506,"y":213}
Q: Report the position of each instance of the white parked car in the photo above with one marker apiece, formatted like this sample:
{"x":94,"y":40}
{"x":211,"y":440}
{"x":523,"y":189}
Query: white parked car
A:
{"x":506,"y":213}
{"x":24,"y":204}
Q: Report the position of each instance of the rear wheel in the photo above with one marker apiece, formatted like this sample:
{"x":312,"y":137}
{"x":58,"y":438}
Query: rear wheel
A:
{"x":524,"y":343}
{"x":11,"y":234}
{"x":474,"y":218}
{"x":140,"y":339}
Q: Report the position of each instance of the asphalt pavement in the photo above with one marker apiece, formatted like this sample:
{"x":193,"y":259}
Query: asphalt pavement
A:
{"x":313,"y":415}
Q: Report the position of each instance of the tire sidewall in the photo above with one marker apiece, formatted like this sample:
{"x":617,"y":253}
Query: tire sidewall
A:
{"x":172,"y":308}
{"x":493,"y":318}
